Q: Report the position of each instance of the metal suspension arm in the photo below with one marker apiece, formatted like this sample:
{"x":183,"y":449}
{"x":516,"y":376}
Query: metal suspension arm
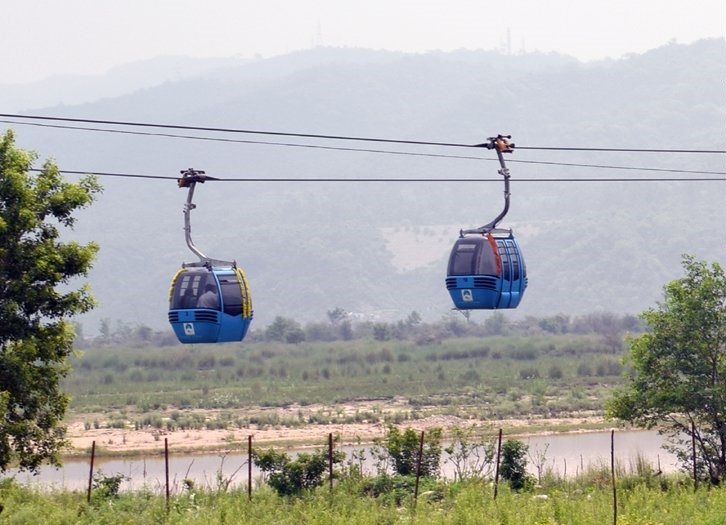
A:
{"x":189,"y":179}
{"x":501,"y":144}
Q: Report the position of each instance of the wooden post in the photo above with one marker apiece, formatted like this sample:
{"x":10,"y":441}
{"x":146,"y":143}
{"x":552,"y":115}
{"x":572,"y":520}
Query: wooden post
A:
{"x":166,"y":464}
{"x":496,"y":468}
{"x":418,"y":468}
{"x":90,"y":473}
{"x":330,"y":460}
{"x":693,"y":456}
{"x":249,"y":467}
{"x":612,"y":475}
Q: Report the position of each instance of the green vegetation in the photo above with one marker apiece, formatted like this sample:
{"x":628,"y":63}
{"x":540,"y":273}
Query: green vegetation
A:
{"x":679,"y":369}
{"x":540,"y":368}
{"x":293,"y":477}
{"x":642,"y":500}
{"x":402,"y":449}
{"x":514,"y":464}
{"x":35,"y":301}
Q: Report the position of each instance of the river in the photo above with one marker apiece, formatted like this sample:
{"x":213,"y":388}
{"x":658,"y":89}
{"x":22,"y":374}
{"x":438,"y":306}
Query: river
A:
{"x":566,"y":454}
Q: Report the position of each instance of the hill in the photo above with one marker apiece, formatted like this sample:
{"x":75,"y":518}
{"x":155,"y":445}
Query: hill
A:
{"x":380,"y":249}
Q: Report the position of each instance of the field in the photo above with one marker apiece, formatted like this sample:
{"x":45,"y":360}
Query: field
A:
{"x":128,"y":396}
{"x":286,"y":391}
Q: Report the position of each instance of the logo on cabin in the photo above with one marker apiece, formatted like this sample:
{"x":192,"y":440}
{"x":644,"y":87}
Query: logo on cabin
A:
{"x":189,"y":329}
{"x":467,"y":296}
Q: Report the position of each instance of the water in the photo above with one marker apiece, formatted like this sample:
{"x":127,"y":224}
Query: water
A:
{"x":566,"y":454}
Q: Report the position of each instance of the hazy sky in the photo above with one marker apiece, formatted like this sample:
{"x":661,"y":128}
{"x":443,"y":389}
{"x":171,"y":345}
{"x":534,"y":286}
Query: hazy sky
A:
{"x":39,"y":38}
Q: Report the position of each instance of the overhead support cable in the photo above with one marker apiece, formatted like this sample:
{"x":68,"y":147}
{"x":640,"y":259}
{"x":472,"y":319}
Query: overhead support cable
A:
{"x":364,"y":150}
{"x":343,"y":137}
{"x":243,"y":141}
{"x":399,"y":180}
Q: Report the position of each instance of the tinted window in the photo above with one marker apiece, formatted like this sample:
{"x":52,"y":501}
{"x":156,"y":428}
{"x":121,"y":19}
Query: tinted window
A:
{"x":487,"y":260}
{"x":463,"y":259}
{"x":504,"y":257}
{"x":515,"y":260}
{"x":231,"y":294}
{"x":473,"y":256}
{"x":187,"y":289}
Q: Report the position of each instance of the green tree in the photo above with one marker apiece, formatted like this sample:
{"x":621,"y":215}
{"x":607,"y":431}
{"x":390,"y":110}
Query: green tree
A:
{"x":403,"y":447}
{"x":337,"y":315}
{"x":293,"y":477}
{"x":514,"y":464}
{"x":678,"y":379}
{"x":382,"y":331}
{"x":469,"y":455}
{"x":36,"y":339}
{"x":346,"y":330}
{"x":285,"y":330}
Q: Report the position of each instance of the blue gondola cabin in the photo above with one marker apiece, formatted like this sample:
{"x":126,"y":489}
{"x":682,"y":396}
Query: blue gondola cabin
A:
{"x":486,"y":272}
{"x":210,"y":305}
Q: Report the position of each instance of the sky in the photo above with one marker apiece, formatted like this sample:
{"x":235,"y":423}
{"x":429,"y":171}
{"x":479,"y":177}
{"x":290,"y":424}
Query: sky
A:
{"x":41,"y":38}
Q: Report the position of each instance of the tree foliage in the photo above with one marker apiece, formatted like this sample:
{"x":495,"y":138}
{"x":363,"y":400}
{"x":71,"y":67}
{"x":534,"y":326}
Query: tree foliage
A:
{"x":514,"y":464}
{"x":36,"y":297}
{"x":292,"y":477}
{"x":470,"y":456}
{"x":403,"y":447}
{"x":679,"y":369}
{"x":285,"y":330}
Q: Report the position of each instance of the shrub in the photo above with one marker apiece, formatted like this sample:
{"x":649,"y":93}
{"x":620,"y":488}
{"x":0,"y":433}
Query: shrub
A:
{"x":290,"y":477}
{"x":555,"y":372}
{"x":514,"y":465}
{"x":529,"y":373}
{"x":393,"y":490}
{"x":402,"y":448}
{"x":107,"y":486}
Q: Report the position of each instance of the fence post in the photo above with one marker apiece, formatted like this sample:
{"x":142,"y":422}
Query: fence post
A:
{"x":166,"y":468}
{"x":249,"y":467}
{"x":418,"y":469}
{"x":330,"y":460}
{"x":496,"y":469}
{"x":693,"y":452}
{"x":90,"y":473}
{"x":612,"y":475}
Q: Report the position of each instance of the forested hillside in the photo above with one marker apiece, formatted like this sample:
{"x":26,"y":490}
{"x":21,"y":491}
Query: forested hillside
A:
{"x":380,"y":249}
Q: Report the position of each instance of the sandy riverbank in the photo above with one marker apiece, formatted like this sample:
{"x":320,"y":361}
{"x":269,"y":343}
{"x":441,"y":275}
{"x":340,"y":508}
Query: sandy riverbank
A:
{"x":114,"y":441}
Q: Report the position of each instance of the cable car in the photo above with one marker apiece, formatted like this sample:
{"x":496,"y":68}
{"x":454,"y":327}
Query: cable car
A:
{"x":486,"y":269}
{"x":209,"y":299}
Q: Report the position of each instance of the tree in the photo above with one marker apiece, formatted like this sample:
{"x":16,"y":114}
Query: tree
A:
{"x":293,"y":477}
{"x":35,"y":337}
{"x":514,"y":464}
{"x":678,"y":379}
{"x":469,"y":456}
{"x":336,"y":315}
{"x":382,"y":331}
{"x":285,"y":330}
{"x":402,"y":448}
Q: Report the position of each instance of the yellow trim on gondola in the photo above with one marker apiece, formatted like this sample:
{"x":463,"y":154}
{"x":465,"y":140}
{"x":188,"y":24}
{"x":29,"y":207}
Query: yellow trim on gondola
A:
{"x":173,"y":283}
{"x":245,"y":290}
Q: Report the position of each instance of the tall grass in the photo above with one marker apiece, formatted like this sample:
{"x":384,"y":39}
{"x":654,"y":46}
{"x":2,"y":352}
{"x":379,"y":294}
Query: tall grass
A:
{"x":462,"y":503}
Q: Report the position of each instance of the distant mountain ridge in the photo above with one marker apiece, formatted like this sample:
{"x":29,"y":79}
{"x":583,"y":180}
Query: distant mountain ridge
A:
{"x":64,"y":90}
{"x":310,"y":247}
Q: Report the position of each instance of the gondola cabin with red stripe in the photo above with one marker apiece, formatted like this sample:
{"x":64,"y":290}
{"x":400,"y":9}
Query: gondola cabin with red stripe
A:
{"x":209,"y":299}
{"x":486,"y":272}
{"x":486,"y":269}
